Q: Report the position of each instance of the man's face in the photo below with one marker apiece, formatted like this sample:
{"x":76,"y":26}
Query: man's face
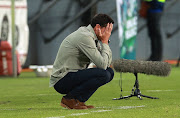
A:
{"x":103,"y":33}
{"x":102,"y":29}
{"x":99,"y":30}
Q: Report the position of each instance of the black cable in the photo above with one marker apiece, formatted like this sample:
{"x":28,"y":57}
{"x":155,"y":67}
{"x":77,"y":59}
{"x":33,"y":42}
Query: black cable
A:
{"x":120,"y":84}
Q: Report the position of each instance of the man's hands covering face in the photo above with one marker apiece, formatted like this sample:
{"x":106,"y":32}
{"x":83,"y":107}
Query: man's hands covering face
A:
{"x":103,"y":36}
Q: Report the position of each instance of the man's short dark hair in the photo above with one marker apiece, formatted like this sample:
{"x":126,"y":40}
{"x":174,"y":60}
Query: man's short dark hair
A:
{"x":102,"y":20}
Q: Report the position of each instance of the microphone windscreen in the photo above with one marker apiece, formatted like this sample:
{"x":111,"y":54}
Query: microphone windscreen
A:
{"x":158,"y":68}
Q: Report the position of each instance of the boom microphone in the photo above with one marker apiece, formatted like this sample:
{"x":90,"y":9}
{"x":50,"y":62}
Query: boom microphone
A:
{"x":146,"y":67}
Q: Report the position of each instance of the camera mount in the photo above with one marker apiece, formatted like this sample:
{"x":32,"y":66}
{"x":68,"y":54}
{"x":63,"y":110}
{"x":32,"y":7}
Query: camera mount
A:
{"x":135,"y":91}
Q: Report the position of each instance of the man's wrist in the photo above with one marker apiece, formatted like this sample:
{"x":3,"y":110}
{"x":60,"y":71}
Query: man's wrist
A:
{"x":106,"y":42}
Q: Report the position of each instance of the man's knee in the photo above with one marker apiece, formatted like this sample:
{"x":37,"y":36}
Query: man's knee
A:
{"x":110,"y":71}
{"x":108,"y":75}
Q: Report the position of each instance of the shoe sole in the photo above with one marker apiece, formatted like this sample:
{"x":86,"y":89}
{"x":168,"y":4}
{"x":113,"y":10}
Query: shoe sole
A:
{"x":65,"y":106}
{"x":90,"y":107}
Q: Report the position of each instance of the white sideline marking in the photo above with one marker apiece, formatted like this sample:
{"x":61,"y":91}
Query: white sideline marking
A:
{"x":122,"y":107}
{"x":101,"y":111}
{"x":123,"y":91}
{"x":129,"y":107}
{"x":154,"y":90}
{"x":79,"y":114}
{"x":158,"y":90}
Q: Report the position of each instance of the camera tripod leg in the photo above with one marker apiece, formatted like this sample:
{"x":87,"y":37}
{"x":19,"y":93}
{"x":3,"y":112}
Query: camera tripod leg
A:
{"x":123,"y":97}
{"x":149,"y":97}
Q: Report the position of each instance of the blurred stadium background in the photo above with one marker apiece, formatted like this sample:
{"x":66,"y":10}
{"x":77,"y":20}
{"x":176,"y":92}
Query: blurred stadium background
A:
{"x":50,"y":21}
{"x":37,"y":22}
{"x":64,"y":10}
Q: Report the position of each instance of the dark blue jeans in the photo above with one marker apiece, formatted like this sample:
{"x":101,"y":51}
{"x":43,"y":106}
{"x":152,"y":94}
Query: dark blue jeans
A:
{"x":83,"y":83}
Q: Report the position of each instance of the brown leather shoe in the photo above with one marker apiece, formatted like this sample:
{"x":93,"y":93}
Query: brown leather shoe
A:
{"x":71,"y":104}
{"x":88,"y":106}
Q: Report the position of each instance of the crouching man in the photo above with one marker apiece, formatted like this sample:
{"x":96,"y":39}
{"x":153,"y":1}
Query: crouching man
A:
{"x":70,"y":75}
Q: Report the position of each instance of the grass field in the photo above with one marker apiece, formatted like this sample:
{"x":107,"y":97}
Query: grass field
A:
{"x":30,"y":97}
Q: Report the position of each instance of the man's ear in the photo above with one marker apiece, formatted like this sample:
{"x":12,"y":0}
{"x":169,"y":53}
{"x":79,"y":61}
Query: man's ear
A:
{"x":97,"y":27}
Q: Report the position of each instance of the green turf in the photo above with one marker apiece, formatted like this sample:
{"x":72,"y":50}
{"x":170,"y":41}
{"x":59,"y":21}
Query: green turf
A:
{"x":30,"y":97}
